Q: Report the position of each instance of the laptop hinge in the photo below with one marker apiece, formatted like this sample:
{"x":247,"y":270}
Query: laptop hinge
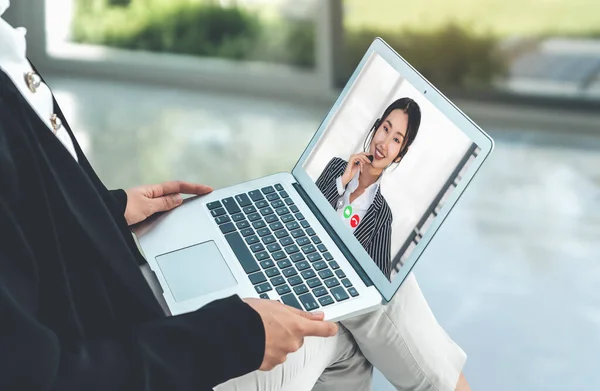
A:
{"x":336,"y":239}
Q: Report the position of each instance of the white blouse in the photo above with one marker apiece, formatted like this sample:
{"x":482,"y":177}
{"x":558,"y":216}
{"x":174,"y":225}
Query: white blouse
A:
{"x":13,"y":62}
{"x":352,"y":213}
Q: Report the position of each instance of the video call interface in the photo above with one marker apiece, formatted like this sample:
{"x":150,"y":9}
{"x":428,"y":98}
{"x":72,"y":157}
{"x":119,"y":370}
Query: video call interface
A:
{"x":387,"y":163}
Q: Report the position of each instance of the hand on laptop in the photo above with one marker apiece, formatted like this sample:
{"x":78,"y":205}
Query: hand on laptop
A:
{"x":285,"y":329}
{"x":144,"y":201}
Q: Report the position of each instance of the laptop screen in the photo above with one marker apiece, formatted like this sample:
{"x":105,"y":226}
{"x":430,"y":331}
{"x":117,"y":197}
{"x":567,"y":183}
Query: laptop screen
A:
{"x":387,"y":162}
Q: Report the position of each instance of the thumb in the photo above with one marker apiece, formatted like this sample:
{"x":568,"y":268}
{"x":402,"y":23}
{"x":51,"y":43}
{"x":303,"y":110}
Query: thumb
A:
{"x":168,"y":202}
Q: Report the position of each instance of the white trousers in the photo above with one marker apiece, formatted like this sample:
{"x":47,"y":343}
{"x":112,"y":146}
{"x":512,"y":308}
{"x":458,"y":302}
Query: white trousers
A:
{"x":402,"y":339}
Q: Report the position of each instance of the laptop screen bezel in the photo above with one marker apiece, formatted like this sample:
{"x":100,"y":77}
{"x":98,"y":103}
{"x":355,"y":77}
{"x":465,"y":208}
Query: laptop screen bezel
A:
{"x":477,"y":135}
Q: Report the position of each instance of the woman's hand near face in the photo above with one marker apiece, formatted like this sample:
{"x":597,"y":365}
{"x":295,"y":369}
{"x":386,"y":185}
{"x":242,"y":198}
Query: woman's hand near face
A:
{"x":352,"y":168}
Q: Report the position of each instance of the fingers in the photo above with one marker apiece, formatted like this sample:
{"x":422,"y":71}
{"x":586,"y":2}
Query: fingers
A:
{"x":173,"y":187}
{"x":307,"y":315}
{"x":165,"y":203}
{"x":320,"y":329}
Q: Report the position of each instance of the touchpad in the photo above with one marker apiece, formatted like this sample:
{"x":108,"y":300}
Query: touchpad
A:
{"x":195,"y":271}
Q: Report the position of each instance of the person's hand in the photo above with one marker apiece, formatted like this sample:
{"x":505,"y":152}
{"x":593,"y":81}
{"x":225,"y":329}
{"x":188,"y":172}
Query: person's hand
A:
{"x":285,"y":329}
{"x":144,"y":201}
{"x":352,"y":168}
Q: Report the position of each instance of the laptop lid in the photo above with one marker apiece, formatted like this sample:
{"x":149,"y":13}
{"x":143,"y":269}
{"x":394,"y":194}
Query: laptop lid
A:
{"x":426,"y":149}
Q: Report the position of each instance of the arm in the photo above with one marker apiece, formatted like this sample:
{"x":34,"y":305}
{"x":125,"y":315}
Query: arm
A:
{"x":380,"y":248}
{"x":327,"y":180}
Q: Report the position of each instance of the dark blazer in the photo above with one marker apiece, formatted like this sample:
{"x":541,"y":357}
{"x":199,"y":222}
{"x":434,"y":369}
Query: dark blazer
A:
{"x":375,"y":230}
{"x":75,"y":311}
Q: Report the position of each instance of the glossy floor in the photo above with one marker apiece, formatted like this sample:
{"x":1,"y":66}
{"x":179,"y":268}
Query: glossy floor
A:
{"x":513,"y":275}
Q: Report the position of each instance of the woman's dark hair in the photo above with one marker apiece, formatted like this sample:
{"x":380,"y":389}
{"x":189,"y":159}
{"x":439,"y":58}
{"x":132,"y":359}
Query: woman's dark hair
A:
{"x":413,"y":111}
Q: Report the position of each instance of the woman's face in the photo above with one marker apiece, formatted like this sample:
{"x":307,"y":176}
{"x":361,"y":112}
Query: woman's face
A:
{"x":388,"y":139}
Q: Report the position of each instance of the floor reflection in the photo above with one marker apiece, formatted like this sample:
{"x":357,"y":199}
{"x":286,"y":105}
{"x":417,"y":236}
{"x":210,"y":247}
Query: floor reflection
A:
{"x":513,"y":274}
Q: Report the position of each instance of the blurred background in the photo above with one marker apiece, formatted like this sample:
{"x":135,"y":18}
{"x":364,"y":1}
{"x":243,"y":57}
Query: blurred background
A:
{"x":223,"y":91}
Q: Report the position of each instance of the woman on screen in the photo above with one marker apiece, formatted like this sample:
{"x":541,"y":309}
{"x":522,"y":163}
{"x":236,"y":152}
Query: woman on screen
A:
{"x":353,"y":187}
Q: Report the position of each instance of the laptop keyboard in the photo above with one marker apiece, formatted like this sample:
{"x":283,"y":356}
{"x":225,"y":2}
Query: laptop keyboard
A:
{"x":279,"y":250}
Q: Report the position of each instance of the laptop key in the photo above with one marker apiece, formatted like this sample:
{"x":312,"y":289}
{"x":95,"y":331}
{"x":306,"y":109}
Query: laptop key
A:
{"x":284,"y":194}
{"x":346,"y":282}
{"x":238,"y":217}
{"x":257,"y":278}
{"x":263,"y":232}
{"x":249,"y":209}
{"x":325,"y":274}
{"x":276,"y":226}
{"x":297,"y":257}
{"x":268,"y":190}
{"x":353,"y":292}
{"x":273,"y":196}
{"x":298,"y":233}
{"x":289,"y":201}
{"x":273,"y":247}
{"x":292,"y":249}
{"x":256,"y":195}
{"x":319,"y":265}
{"x":290,"y":300}
{"x":214,"y":205}
{"x":328,"y":256}
{"x":272,"y":272}
{"x":278,"y":187}
{"x":261,"y":256}
{"x":253,"y":217}
{"x":243,"y":200}
{"x":334,"y":265}
{"x":269,"y":239}
{"x":322,"y":248}
{"x":277,"y":280}
{"x":258,"y":224}
{"x":292,"y":226}
{"x":266,"y":211}
{"x":243,"y":224}
{"x":289,"y":272}
{"x":222,"y":219}
{"x":314,"y":257}
{"x":257,"y":247}
{"x":217,"y":212}
{"x":310,"y":232}
{"x":305,"y":224}
{"x":308,"y":301}
{"x":309,"y":249}
{"x":231,"y":206}
{"x":278,"y":255}
{"x":277,"y":204}
{"x":307,"y":274}
{"x":303,"y":241}
{"x":326,"y":300}
{"x":299,"y":216}
{"x":284,"y":263}
{"x":281,"y":234}
{"x":267,"y":264}
{"x":283,"y":289}
{"x":252,"y":239}
{"x":319,"y":291}
{"x":271,"y":219}
{"x":282,"y":211}
{"x":300,"y":289}
{"x":287,"y":218}
{"x":339,"y":293}
{"x":340,"y":273}
{"x":314,"y":282}
{"x":247,"y":232}
{"x":227,"y":228}
{"x":295,"y":280}
{"x":242,"y":253}
{"x":264,"y":287}
{"x":264,"y":296}
{"x":316,"y":240}
{"x":262,"y":204}
{"x":286,"y":241}
{"x":294,"y":209}
{"x":302,"y":265}
{"x":331,"y":282}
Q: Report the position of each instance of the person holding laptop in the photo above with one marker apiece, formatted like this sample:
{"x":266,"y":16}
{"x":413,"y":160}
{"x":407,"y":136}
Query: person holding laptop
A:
{"x":353,"y":188}
{"x":77,"y":314}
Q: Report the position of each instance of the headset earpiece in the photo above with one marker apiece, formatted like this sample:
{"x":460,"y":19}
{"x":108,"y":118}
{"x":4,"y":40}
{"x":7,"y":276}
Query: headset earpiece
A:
{"x":377,"y":123}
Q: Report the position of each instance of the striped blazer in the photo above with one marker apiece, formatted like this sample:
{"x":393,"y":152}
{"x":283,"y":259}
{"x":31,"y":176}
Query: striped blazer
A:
{"x":375,"y":230}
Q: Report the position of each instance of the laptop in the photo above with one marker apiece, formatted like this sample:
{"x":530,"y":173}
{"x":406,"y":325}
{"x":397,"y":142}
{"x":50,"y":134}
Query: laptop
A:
{"x":302,"y":237}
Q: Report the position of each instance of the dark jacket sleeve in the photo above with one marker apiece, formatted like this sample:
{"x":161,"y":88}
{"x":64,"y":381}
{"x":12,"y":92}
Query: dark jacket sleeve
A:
{"x":195,"y":351}
{"x":327,"y":180}
{"x":380,"y":248}
{"x":119,"y":198}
